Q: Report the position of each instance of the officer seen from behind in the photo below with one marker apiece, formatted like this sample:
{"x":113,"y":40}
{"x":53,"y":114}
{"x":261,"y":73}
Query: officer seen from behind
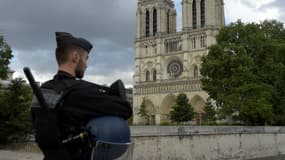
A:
{"x":81,"y":102}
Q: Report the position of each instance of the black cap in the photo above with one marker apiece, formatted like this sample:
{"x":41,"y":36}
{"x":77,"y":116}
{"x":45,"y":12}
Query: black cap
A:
{"x":64,"y":39}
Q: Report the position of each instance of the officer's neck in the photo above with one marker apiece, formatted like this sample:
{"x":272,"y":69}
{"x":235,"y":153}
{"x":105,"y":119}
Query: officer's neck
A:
{"x":67,"y":68}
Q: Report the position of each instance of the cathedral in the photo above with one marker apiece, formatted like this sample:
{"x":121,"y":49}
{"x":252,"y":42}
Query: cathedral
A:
{"x":168,"y":62}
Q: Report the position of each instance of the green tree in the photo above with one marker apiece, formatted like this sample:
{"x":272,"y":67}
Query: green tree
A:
{"x":209,"y":113}
{"x":15,"y":123}
{"x":182,"y":111}
{"x":143,"y":111}
{"x":5,"y":56}
{"x":242,"y":73}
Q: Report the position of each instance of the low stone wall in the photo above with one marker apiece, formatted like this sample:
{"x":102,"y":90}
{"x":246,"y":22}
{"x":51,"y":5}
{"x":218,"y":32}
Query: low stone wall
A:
{"x":208,"y":143}
{"x":200,"y":143}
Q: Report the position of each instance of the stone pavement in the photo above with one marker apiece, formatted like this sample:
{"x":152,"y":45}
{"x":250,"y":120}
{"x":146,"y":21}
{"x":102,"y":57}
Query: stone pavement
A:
{"x":16,"y":155}
{"x":19,"y":155}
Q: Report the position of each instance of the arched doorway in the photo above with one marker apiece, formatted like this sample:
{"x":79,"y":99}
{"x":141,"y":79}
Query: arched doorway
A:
{"x":198,"y":104}
{"x":151,"y":111}
{"x":166,"y":106}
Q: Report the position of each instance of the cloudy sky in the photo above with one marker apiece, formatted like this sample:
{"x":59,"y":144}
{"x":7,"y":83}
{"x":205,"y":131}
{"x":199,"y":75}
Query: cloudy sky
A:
{"x":29,"y":26}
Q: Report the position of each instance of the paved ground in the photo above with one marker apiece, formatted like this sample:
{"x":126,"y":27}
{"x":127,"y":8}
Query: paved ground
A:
{"x":12,"y":155}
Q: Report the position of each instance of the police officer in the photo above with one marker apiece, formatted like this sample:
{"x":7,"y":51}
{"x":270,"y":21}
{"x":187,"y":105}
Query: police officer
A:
{"x":82,"y":101}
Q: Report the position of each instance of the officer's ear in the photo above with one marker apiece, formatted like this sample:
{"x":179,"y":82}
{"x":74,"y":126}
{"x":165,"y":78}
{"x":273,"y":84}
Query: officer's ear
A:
{"x":75,"y":57}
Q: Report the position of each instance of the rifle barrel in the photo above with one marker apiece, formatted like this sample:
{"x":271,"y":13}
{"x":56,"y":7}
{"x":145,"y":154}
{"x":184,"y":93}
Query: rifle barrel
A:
{"x":37,"y":91}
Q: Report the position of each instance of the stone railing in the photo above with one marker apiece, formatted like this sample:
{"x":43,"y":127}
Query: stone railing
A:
{"x":173,"y":44}
{"x":168,"y":87}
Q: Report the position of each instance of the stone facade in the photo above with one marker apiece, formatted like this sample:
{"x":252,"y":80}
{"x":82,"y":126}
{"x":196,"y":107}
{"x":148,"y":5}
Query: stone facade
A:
{"x":167,"y":62}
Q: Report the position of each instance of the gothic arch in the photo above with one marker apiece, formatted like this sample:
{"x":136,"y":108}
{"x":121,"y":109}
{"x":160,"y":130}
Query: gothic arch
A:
{"x":154,"y":75}
{"x":194,"y":14}
{"x":166,"y":107}
{"x":195,"y":71}
{"x":151,"y":111}
{"x":147,"y":23}
{"x":168,"y":21}
{"x":203,"y":18}
{"x":198,"y":103}
{"x":147,"y":76}
{"x":154,"y":23}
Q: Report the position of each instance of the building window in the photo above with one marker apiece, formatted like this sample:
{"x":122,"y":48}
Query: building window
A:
{"x":196,"y":72}
{"x":203,"y":13}
{"x":168,"y":21}
{"x":147,"y":24}
{"x":194,"y":14}
{"x":154,"y":22}
{"x":174,"y":69}
{"x":147,"y":76}
{"x":202,"y":41}
{"x":154,"y":75}
{"x":194,"y":43}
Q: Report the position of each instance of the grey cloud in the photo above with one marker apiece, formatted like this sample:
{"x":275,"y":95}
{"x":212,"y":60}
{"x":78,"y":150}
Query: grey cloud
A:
{"x":33,"y":22}
{"x":281,"y":5}
{"x":29,"y":27}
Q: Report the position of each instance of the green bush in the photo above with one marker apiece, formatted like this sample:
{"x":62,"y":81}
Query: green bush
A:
{"x":15,"y":123}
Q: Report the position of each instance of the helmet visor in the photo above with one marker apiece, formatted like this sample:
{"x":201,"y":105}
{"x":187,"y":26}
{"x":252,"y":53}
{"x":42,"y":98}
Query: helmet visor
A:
{"x":112,"y":151}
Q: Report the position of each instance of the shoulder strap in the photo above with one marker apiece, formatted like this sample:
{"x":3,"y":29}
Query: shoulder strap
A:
{"x":54,"y":96}
{"x":65,"y":89}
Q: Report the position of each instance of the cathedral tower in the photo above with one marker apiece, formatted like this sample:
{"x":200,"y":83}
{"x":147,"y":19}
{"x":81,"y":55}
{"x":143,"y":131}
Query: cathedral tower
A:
{"x":168,"y":62}
{"x":155,"y":17}
{"x":202,"y":14}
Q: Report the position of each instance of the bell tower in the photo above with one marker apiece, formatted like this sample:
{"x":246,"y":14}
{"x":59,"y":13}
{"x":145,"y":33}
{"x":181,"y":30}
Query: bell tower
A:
{"x":168,"y":62}
{"x":198,"y":14}
{"x":155,"y":17}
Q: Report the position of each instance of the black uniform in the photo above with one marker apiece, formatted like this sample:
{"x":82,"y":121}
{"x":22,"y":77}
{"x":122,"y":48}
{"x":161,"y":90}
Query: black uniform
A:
{"x":83,"y":101}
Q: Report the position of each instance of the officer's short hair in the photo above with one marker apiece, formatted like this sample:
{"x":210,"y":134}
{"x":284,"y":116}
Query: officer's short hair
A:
{"x":62,"y":53}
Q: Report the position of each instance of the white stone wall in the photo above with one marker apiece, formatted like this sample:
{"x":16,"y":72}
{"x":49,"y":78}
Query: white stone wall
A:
{"x":207,"y":143}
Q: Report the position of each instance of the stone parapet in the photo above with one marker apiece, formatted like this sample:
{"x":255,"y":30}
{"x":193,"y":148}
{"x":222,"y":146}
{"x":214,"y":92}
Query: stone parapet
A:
{"x":168,"y":87}
{"x":142,"y":131}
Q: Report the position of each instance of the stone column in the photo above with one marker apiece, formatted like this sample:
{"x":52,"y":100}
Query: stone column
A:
{"x":159,"y":20}
{"x":184,"y":15}
{"x":157,"y":119}
{"x":187,"y":14}
{"x":223,"y":13}
{"x":137,"y":62}
{"x":173,"y":19}
{"x":185,"y":46}
{"x":151,"y":22}
{"x":143,"y":16}
{"x":163,"y":20}
{"x":139,"y":24}
{"x":198,"y":8}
